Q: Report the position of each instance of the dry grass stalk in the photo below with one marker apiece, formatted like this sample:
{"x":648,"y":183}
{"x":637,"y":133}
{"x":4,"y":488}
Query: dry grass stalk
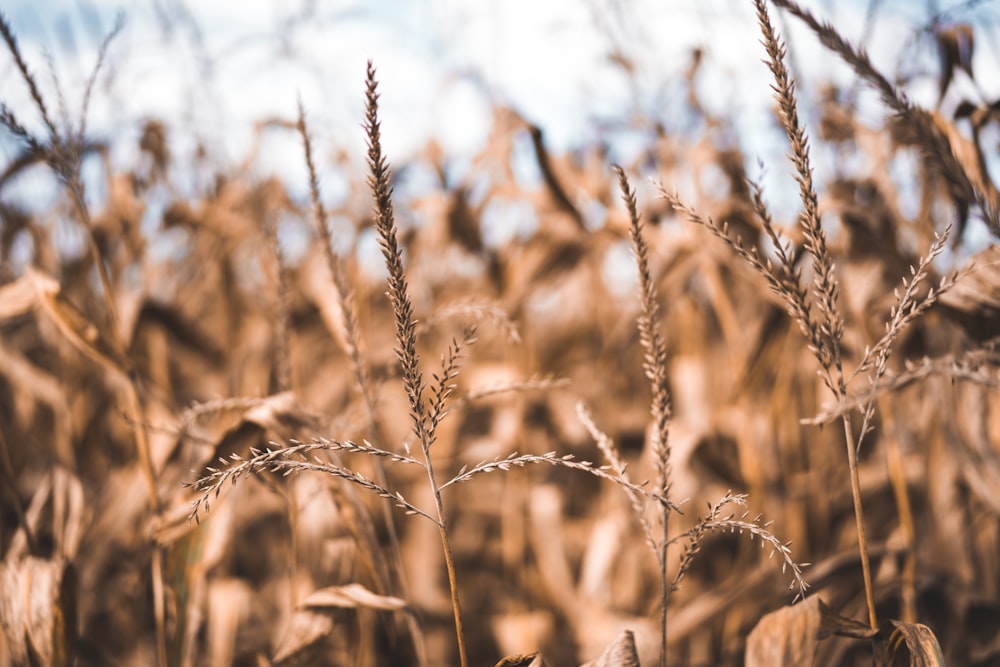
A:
{"x":655,"y":367}
{"x":826,"y":287}
{"x":424,"y":423}
{"x":64,"y":154}
{"x":352,"y":339}
{"x":935,"y":142}
{"x":824,"y":335}
{"x":335,"y":263}
{"x":271,"y":567}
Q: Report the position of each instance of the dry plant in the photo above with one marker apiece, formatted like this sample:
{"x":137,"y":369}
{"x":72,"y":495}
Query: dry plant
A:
{"x":184,"y":322}
{"x":655,"y":367}
{"x":428,"y":411}
{"x":817,"y":311}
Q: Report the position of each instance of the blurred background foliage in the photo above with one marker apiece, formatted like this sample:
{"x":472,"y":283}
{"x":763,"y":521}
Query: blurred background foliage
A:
{"x":198,"y":197}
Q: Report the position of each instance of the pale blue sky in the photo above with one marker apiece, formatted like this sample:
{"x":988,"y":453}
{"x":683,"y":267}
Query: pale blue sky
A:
{"x":212,"y":69}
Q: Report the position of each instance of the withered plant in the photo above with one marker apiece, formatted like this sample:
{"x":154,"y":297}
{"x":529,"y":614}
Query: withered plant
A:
{"x":817,"y":310}
{"x":185,"y":310}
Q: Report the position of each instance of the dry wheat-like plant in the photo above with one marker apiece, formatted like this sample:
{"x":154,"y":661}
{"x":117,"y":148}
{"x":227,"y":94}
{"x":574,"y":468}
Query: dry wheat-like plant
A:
{"x":122,"y":369}
{"x":824,"y":330}
{"x":655,"y":367}
{"x":973,"y":187}
{"x":63,"y":152}
{"x":429,"y":404}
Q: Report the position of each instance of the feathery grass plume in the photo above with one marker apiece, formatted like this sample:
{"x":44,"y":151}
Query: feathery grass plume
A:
{"x":286,"y":460}
{"x":784,"y":283}
{"x":786,"y":276}
{"x":607,"y":447}
{"x":102,"y":55}
{"x":655,"y":367}
{"x":935,"y":143}
{"x":824,"y":333}
{"x":64,"y":155}
{"x":424,"y":423}
{"x":714,"y":520}
{"x":784,"y":280}
{"x":655,"y":350}
{"x":908,"y":308}
{"x":831,"y":326}
{"x":515,"y":460}
{"x":969,"y":366}
{"x":444,"y":383}
{"x":379,"y":180}
{"x":335,"y":263}
{"x":826,"y":287}
{"x":352,"y":341}
{"x":29,"y":79}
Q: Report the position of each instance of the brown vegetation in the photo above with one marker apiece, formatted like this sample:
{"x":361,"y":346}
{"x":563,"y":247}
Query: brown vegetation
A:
{"x":204,"y":457}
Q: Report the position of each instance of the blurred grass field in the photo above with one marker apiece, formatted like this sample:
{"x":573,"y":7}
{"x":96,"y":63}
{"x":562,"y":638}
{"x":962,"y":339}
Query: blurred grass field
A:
{"x":221,"y":330}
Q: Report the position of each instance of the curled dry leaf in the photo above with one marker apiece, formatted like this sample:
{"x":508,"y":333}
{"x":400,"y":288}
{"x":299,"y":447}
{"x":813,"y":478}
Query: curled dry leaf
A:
{"x":36,"y":289}
{"x":913,"y":645}
{"x":524,"y":660}
{"x":313,"y":621}
{"x":301,"y":641}
{"x":17,"y":298}
{"x":352,"y":596}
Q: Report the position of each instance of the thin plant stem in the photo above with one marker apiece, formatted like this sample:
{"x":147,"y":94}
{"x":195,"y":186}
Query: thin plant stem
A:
{"x":424,"y":422}
{"x":859,"y":519}
{"x":655,"y":366}
{"x":826,"y":285}
{"x":352,"y":340}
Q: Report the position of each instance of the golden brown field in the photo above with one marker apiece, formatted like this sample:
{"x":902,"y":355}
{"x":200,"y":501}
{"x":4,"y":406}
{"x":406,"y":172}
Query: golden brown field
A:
{"x":775,"y":440}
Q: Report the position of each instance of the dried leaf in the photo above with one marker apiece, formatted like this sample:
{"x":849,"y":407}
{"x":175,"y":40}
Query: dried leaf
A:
{"x":786,"y":637}
{"x":524,"y":660}
{"x":74,"y":325}
{"x":38,"y":611}
{"x":956,"y":44}
{"x":17,"y":298}
{"x":351,"y":596}
{"x":835,"y":624}
{"x":619,"y":653}
{"x":301,"y":640}
{"x":914,"y":645}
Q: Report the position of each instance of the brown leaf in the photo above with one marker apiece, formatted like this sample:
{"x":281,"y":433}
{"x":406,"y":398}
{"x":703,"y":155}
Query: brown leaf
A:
{"x":787,"y":636}
{"x":17,"y":298}
{"x":74,"y":325}
{"x":619,"y":653}
{"x":955,"y":48}
{"x":302,"y":639}
{"x":351,"y":596}
{"x":38,"y":611}
{"x":913,"y":645}
{"x":524,"y":660}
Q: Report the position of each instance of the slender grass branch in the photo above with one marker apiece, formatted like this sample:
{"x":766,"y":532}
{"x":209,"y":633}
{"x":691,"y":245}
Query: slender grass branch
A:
{"x":424,"y":421}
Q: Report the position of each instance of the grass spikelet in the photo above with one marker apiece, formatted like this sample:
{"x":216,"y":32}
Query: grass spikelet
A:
{"x":826,"y":286}
{"x":424,"y":423}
